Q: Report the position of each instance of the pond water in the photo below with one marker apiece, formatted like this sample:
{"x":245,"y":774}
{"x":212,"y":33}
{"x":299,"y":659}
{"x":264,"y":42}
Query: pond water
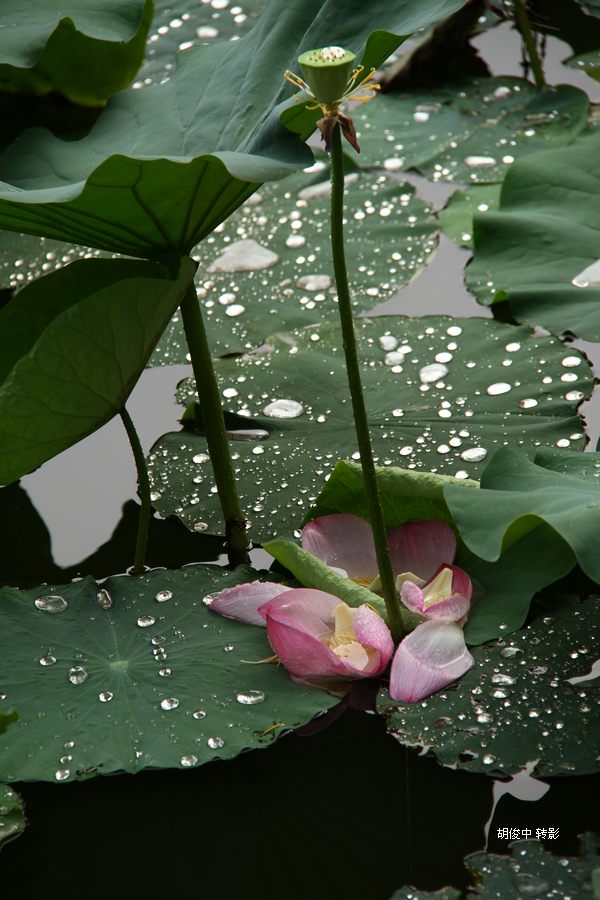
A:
{"x":337,"y":810}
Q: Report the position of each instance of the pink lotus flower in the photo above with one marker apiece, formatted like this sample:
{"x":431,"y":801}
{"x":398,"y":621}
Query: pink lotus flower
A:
{"x":313,"y":633}
{"x":436,"y":592}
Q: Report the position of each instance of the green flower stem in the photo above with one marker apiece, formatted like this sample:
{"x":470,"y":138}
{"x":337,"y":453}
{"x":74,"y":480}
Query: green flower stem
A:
{"x":384,"y":563}
{"x":214,"y":428}
{"x":144,"y":492}
{"x":524,"y":26}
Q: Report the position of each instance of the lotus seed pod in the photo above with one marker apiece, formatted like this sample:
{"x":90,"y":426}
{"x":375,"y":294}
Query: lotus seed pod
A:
{"x":327,"y":71}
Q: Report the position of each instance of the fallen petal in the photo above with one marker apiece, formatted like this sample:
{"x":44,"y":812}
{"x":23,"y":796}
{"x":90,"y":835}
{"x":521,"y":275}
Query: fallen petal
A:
{"x":243,"y":601}
{"x":371,"y":631}
{"x":428,"y":659}
{"x":344,"y":542}
{"x":421,"y":547}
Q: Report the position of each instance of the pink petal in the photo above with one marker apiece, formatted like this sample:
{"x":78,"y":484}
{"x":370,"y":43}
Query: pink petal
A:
{"x":294,"y":625}
{"x":242,"y":601}
{"x":343,"y":541}
{"x":412,"y":597}
{"x":371,"y":631}
{"x":429,"y":658}
{"x":421,"y":547}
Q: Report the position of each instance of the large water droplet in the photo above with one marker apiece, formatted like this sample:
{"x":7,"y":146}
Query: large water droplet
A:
{"x":571,"y":362}
{"x":51,"y":603}
{"x":480,"y":162}
{"x":433,"y":372}
{"x":314,"y":282}
{"x":249,"y":698}
{"x":200,"y":458}
{"x":529,"y":403}
{"x":244,"y":256}
{"x":199,"y":714}
{"x":169,"y":703}
{"x":105,"y":601}
{"x":62,"y":774}
{"x":283,"y":409}
{"x":388,"y":342}
{"x":236,"y":309}
{"x":47,"y":660}
{"x":215,"y":743}
{"x":163,"y":596}
{"x":500,"y":387}
{"x":530,"y":884}
{"x":189,"y":760}
{"x":588,"y":276}
{"x":77,"y":675}
{"x":105,"y":696}
{"x":474,"y":454}
{"x":146,"y":621}
{"x":248,"y":434}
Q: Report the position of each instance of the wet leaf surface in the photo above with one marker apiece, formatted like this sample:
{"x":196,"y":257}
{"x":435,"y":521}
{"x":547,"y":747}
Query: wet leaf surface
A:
{"x":442,"y":394}
{"x":516,"y":706}
{"x":471,"y":132}
{"x":137,"y":673}
{"x":12,"y":814}
{"x":532,"y":871}
{"x":283,"y":271}
{"x":540,"y":250}
{"x":456,"y":218}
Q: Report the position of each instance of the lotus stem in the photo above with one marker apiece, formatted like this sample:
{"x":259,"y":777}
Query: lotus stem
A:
{"x":384,"y":563}
{"x":143,"y":490}
{"x":524,"y":26}
{"x":214,"y":428}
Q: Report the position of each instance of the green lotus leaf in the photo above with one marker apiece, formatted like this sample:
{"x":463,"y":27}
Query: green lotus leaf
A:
{"x":540,"y":250}
{"x":532,"y":870}
{"x":137,"y":673}
{"x":517,"y":494}
{"x":72,"y":346}
{"x":154,"y":175}
{"x":279,"y":248}
{"x":86,"y":52}
{"x":517,"y":704}
{"x":472,"y":132}
{"x":441,"y":393}
{"x":12,"y":814}
{"x":456,"y":218}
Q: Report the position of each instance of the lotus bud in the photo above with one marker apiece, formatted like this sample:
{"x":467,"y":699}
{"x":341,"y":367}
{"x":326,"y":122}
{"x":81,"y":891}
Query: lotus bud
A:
{"x":327,"y":72}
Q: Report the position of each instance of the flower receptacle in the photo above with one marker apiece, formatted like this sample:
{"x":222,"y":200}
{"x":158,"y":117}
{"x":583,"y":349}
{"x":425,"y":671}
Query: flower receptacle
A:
{"x":327,"y":72}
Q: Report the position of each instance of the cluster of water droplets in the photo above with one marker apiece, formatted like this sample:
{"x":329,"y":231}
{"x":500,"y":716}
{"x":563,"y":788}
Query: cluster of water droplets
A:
{"x":268,"y":267}
{"x":471,"y":135}
{"x":442,"y":395}
{"x":516,"y":704}
{"x":192,"y":23}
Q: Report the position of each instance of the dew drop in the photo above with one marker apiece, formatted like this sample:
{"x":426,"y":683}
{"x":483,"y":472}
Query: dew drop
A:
{"x":105,"y":601}
{"x":574,"y":395}
{"x":200,"y":458}
{"x":105,"y":696}
{"x":155,"y":496}
{"x":283,"y":409}
{"x":432,"y":373}
{"x":163,"y":596}
{"x":571,"y":362}
{"x":487,"y":759}
{"x":236,"y":309}
{"x":215,"y":743}
{"x":51,"y":603}
{"x":189,"y":760}
{"x":146,"y":621}
{"x":500,"y":387}
{"x":394,"y":358}
{"x":388,"y":342}
{"x":588,"y":276}
{"x":77,"y":675}
{"x":296,"y":240}
{"x":530,"y":885}
{"x":529,"y":403}
{"x":501,"y":678}
{"x":199,"y":714}
{"x":249,"y":698}
{"x":513,"y":347}
{"x":62,"y":774}
{"x":47,"y":660}
{"x":454,"y":330}
{"x":480,"y":162}
{"x":169,"y":703}
{"x":243,"y":256}
{"x":314,"y":282}
{"x":474,"y":454}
